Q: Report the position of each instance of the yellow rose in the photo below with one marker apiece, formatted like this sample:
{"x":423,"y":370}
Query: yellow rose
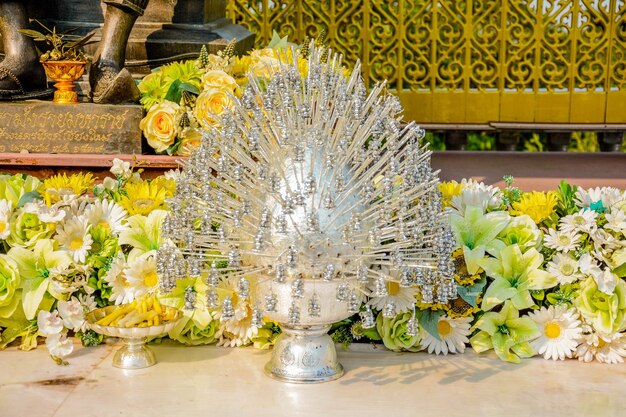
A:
{"x":191,"y":141}
{"x":159,"y":126}
{"x":259,"y":54}
{"x":211,"y":103}
{"x":266,"y":67}
{"x":219,"y":80}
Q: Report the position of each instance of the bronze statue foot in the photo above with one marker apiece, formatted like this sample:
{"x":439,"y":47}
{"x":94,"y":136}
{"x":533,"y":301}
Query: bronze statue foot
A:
{"x":21,"y":82}
{"x":112,"y":86}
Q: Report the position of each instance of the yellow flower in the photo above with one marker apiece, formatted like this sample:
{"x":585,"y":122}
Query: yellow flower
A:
{"x":159,"y":126}
{"x":449,"y":189}
{"x":211,"y":103}
{"x":266,"y":67}
{"x":219,"y":80}
{"x":241,"y":65}
{"x":259,"y":54}
{"x":538,"y":205}
{"x":145,"y":196}
{"x":191,"y":140}
{"x":60,"y":185}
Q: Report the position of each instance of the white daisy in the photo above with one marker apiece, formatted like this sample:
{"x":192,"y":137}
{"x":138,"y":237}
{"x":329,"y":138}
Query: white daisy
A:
{"x":141,"y":274}
{"x":616,"y":220}
{"x":453,"y":334}
{"x":583,"y":221}
{"x":402,"y":297}
{"x":121,"y":290}
{"x":605,"y":348}
{"x":6,"y":209}
{"x":607,"y":195}
{"x":559,"y":331}
{"x":562,"y":241}
{"x":107,"y":214}
{"x":565,"y":268}
{"x":74,"y":237}
{"x":239,"y":330}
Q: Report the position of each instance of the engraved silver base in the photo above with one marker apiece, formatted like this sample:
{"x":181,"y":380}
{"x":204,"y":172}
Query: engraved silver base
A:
{"x":304,"y":354}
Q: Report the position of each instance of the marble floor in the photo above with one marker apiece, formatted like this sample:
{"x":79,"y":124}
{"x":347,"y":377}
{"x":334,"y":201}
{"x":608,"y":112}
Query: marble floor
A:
{"x":212,"y":381}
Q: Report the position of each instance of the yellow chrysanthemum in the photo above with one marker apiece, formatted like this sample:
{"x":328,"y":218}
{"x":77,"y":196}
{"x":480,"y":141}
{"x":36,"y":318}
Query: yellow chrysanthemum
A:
{"x":461,"y":275}
{"x":538,"y":205}
{"x":458,"y":308}
{"x":61,"y":185}
{"x":449,"y":189}
{"x":144,"y":197}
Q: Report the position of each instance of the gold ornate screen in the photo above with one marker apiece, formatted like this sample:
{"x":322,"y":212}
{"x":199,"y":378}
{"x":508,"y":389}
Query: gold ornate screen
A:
{"x":475,"y":61}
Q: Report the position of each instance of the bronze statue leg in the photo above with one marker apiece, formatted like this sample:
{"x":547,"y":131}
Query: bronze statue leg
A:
{"x":21,"y":74}
{"x":110,"y":81}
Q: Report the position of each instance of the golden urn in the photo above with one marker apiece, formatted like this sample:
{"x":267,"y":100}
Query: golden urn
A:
{"x":64,"y":73}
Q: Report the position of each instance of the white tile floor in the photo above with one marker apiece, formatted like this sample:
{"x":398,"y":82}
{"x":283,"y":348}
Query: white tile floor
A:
{"x":221,"y":382}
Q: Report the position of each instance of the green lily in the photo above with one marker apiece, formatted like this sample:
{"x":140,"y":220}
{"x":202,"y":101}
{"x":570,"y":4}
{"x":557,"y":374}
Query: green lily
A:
{"x":506,"y":333}
{"x":35,"y":267}
{"x":515,"y":274}
{"x":143,"y":232}
{"x":476,"y":234}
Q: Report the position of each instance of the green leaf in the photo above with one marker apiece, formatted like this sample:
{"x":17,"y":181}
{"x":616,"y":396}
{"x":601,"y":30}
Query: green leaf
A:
{"x":277,"y":42}
{"x":28,"y":197}
{"x":620,"y":271}
{"x":429,"y":320}
{"x":189,"y":87}
{"x":174,"y":92}
{"x":372,"y":334}
{"x":470,"y":294}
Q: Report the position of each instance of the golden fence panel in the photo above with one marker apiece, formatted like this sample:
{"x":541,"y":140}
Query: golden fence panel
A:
{"x":471,"y":61}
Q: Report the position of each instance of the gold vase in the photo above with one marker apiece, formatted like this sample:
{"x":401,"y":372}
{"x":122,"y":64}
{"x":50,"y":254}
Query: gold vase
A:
{"x":64,"y":73}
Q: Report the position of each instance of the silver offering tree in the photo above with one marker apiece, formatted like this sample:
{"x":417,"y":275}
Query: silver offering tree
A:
{"x":309,"y":193}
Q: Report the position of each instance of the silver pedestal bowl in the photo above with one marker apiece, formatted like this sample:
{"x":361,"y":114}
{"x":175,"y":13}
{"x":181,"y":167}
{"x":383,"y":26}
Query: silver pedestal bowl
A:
{"x":304,"y":353}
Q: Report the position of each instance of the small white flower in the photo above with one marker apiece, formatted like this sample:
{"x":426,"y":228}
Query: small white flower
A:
{"x":565,"y":268}
{"x":121,"y":290}
{"x":6,"y":209}
{"x":59,"y":345}
{"x":605,"y":348}
{"x":453,"y":334}
{"x":88,"y":302}
{"x":121,"y":168}
{"x":73,"y":314}
{"x":559,"y":332}
{"x":51,"y":214}
{"x":616,"y":220}
{"x":107,"y":214}
{"x":49,"y":323}
{"x":588,"y":265}
{"x":172,"y":174}
{"x":110,"y":184}
{"x":75,"y":239}
{"x":583,"y":221}
{"x":607,"y":195}
{"x":606,"y":281}
{"x":562,"y":241}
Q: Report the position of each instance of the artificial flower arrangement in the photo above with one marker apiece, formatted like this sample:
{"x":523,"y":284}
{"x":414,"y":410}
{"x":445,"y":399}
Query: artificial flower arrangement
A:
{"x":537,"y":273}
{"x":183,"y":97}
